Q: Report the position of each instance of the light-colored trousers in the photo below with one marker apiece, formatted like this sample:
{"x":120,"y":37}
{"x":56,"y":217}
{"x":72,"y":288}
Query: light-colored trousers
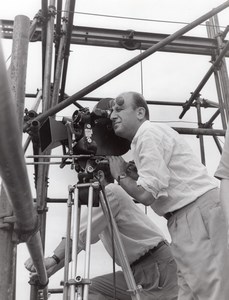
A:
{"x":156,"y":274}
{"x":199,"y":246}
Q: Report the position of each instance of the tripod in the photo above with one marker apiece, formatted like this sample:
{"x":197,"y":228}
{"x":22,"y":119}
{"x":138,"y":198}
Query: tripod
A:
{"x":77,"y":288}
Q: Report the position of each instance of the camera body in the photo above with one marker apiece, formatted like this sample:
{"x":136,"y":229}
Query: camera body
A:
{"x":85,"y":133}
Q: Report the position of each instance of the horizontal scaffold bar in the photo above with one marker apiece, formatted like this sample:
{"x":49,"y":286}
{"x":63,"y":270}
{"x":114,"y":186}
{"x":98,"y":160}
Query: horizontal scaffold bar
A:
{"x":127,"y":39}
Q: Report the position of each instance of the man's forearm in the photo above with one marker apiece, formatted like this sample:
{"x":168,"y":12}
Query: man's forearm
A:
{"x":58,"y":258}
{"x":59,"y":252}
{"x":122,"y":171}
{"x":136,"y":191}
{"x":56,"y":268}
{"x":60,"y":249}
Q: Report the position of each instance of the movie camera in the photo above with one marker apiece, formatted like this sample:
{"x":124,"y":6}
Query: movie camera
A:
{"x":87,"y":136}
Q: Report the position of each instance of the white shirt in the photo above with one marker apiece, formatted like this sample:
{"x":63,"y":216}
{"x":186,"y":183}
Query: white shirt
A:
{"x":168,"y":167}
{"x":222,"y":171}
{"x":137,"y":232}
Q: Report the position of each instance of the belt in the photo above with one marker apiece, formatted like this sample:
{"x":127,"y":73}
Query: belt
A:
{"x":147,"y":254}
{"x":170,"y":214}
{"x":189,"y":205}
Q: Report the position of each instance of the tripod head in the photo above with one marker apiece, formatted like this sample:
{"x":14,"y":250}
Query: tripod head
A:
{"x":87,"y":173}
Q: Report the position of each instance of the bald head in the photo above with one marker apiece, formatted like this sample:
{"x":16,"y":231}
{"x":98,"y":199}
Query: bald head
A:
{"x":136,"y":99}
{"x":129,"y":111}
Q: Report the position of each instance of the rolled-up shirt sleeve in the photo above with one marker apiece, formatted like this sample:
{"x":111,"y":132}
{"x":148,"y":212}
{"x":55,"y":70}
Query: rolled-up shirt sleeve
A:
{"x":98,"y":225}
{"x":99,"y":222}
{"x":153,"y":173}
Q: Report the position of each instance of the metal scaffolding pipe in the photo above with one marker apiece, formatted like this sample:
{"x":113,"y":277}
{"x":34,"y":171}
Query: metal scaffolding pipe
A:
{"x":48,"y":56}
{"x":17,"y":75}
{"x":18,"y":66}
{"x":220,"y":98}
{"x":197,"y":131}
{"x":34,"y":108}
{"x":218,"y":144}
{"x":115,"y":38}
{"x":67,"y":46}
{"x":44,"y":13}
{"x":58,"y":28}
{"x":211,"y":33}
{"x":56,"y":291}
{"x":204,"y":103}
{"x":196,"y":93}
{"x":14,"y":174}
{"x":59,"y":59}
{"x":128,"y":64}
{"x":33,"y":27}
{"x":223,"y":68}
{"x":42,"y":171}
{"x":8,"y":251}
{"x":35,"y":248}
{"x":199,"y":118}
{"x":41,"y":193}
{"x":211,"y":120}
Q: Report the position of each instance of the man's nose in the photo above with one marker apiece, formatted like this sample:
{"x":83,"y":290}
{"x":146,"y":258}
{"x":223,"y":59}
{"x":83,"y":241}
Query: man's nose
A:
{"x":112,"y":115}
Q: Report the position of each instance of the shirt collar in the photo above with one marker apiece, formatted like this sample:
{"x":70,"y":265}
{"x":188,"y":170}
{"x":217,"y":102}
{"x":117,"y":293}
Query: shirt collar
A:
{"x":143,"y":126}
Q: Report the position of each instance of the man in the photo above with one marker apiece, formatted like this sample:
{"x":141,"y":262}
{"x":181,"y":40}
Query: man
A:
{"x":176,"y":185}
{"x":222,"y":173}
{"x":148,"y":253}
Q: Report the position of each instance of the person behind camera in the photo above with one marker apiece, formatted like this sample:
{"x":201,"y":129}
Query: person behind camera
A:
{"x":147,"y":250}
{"x":177,"y":186}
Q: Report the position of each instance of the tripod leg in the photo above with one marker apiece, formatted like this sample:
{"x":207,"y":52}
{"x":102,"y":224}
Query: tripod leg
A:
{"x":80,"y":293}
{"x":75,"y":239}
{"x":67,"y":245}
{"x":88,"y":243}
{"x":120,"y":250}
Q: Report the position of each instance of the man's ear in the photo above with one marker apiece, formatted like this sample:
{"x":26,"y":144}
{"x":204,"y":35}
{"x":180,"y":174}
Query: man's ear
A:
{"x":141,"y":112}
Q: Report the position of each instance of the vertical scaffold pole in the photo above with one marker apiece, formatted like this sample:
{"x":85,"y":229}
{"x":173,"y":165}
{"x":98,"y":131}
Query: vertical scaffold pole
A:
{"x":17,"y":74}
{"x":220,"y":74}
{"x":48,"y":56}
{"x":223,"y":68}
{"x":43,"y":170}
{"x":200,"y":136}
{"x":60,"y":56}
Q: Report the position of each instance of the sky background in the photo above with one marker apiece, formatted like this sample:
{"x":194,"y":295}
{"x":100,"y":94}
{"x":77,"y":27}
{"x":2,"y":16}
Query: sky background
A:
{"x":162,"y":76}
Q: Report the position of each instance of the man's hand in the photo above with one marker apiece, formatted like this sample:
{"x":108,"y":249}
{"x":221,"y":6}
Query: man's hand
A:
{"x":131,"y":170}
{"x":29,"y":265}
{"x":117,"y":166}
{"x":50,"y":265}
